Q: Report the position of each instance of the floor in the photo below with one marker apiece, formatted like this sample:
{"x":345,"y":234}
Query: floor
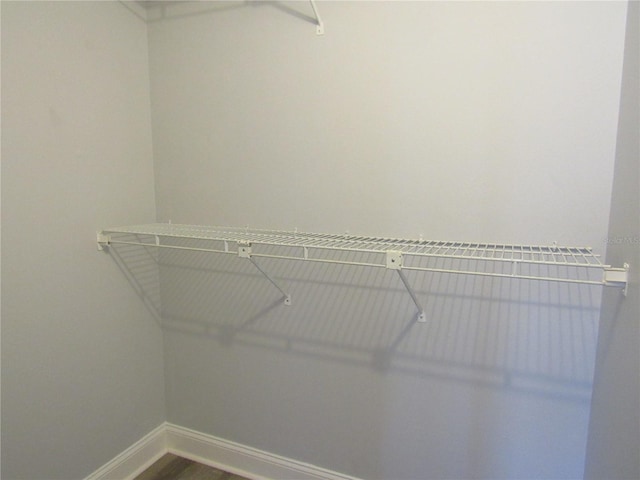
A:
{"x":172,"y":467}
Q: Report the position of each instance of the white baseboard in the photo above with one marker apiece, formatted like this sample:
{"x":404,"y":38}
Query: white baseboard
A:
{"x":219,"y":453}
{"x":242,"y":460}
{"x":135,"y":459}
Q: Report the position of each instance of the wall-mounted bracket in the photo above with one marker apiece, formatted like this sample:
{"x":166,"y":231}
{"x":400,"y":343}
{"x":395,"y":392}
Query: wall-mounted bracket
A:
{"x":319,"y":24}
{"x":394,"y":262}
{"x":104,"y":241}
{"x":617,"y":277}
{"x":244,"y":251}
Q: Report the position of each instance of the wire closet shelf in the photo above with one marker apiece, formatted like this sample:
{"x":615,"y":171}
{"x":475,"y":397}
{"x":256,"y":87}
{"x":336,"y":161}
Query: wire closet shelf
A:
{"x":530,"y":262}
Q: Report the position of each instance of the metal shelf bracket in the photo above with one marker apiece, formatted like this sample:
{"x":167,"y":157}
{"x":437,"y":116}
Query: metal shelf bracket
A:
{"x":244,"y":251}
{"x":319,"y":24}
{"x":617,"y":277}
{"x":394,"y":262}
{"x":103,"y":241}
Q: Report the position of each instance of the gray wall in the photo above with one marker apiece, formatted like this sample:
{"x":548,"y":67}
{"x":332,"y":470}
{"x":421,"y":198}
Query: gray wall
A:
{"x":402,"y":117}
{"x":483,"y":121}
{"x":493,"y":122}
{"x":614,"y":432}
{"x":82,"y":366}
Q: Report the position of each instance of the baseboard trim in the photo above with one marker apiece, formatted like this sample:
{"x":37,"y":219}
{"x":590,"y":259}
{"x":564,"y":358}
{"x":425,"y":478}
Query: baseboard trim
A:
{"x":135,"y":459}
{"x":241,"y":459}
{"x":213,"y":451}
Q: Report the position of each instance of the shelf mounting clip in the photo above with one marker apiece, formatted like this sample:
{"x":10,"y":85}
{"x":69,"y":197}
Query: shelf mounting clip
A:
{"x":394,"y":262}
{"x":104,"y":240}
{"x":244,"y":251}
{"x":617,"y":277}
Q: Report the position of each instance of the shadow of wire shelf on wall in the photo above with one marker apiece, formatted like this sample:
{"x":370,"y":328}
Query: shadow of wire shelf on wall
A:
{"x":526,"y":262}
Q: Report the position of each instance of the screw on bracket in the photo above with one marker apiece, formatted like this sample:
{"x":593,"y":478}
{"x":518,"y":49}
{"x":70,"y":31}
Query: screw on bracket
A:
{"x":394,"y":260}
{"x":244,"y":249}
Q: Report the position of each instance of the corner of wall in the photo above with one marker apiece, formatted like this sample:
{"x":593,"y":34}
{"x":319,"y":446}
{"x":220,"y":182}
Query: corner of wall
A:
{"x":614,"y":428}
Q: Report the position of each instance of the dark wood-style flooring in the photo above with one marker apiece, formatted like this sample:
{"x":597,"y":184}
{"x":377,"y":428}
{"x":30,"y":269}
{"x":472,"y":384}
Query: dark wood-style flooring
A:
{"x":172,"y":467}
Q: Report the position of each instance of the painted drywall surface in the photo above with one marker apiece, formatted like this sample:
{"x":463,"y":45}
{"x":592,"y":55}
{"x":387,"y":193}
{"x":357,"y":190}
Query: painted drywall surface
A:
{"x":82,"y":369}
{"x":496,"y":384}
{"x":614,"y":431}
{"x":441,"y":119}
{"x":479,"y":121}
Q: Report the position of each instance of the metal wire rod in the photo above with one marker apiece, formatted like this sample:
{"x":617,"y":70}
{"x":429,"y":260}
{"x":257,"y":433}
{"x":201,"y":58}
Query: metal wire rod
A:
{"x":287,"y":297}
{"x":507,"y":275}
{"x":317,"y":260}
{"x":174,"y":247}
{"x":421,"y":316}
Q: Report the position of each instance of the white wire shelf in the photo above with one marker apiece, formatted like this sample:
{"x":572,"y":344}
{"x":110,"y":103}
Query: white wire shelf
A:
{"x":529,"y":262}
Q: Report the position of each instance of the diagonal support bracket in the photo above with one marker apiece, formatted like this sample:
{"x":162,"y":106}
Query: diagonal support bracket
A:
{"x":319,"y":23}
{"x":394,"y":262}
{"x":244,"y":251}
